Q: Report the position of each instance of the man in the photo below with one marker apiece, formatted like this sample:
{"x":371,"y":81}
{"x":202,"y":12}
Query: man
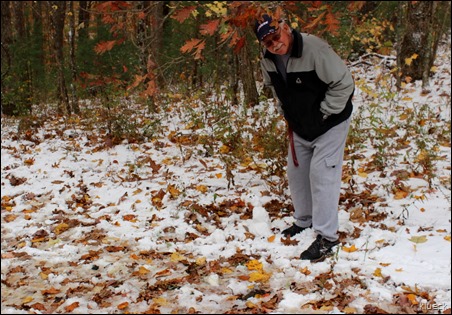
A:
{"x":314,"y":90}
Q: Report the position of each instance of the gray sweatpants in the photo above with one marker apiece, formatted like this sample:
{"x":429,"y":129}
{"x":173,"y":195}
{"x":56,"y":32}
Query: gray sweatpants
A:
{"x":316,"y":183}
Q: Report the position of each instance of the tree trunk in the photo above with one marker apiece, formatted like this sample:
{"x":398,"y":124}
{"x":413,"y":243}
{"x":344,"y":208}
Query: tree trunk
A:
{"x":57,"y":11}
{"x":6,"y":41}
{"x":251,"y":96}
{"x":21,"y":38}
{"x":399,"y":34}
{"x":155,"y":21}
{"x":83,"y":19}
{"x":37,"y":40}
{"x":74,"y":99}
{"x":143,"y":33}
{"x":19,"y":18}
{"x":7,"y":34}
{"x":418,"y":39}
{"x":7,"y":38}
{"x":234,"y":78}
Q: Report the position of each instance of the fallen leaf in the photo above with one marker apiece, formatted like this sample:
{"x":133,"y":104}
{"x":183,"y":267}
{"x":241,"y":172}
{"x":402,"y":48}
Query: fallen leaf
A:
{"x":418,"y":239}
{"x":142,"y":270}
{"x":71,"y":307}
{"x":123,"y":305}
{"x":350,"y":249}
{"x":412,"y":298}
{"x":259,"y":276}
{"x":160,"y":301}
{"x":175,"y":257}
{"x":254,"y":265}
{"x":305,"y":271}
{"x":377,"y":273}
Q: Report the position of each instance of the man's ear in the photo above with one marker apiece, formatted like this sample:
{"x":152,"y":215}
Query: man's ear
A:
{"x":286,"y":28}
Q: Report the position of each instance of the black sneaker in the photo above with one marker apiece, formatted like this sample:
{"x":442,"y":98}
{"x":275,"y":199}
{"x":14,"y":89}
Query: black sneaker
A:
{"x":319,"y":249}
{"x":294,"y":229}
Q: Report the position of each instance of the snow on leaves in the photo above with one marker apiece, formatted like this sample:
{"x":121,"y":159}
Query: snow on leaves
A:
{"x":130,"y":227}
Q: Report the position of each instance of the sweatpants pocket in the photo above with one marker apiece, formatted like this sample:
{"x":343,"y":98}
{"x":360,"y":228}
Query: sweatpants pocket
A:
{"x":333,"y":161}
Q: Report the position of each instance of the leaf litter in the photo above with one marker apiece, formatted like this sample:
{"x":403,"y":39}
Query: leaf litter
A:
{"x":163,"y":227}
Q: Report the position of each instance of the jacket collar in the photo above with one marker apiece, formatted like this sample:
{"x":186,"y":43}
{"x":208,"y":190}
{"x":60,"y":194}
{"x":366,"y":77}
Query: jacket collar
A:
{"x":297,"y":47}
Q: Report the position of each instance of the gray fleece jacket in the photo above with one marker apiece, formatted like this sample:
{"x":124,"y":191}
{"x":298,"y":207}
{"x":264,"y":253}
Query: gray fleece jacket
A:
{"x":316,"y":92}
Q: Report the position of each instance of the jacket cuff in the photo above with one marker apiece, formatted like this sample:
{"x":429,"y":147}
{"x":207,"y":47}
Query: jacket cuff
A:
{"x":323,"y":108}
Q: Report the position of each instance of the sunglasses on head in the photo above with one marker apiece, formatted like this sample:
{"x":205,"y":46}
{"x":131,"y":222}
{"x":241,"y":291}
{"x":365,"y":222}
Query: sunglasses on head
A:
{"x":268,"y":42}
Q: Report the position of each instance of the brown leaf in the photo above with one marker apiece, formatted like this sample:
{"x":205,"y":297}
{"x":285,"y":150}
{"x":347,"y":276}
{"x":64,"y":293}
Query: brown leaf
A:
{"x":114,"y":249}
{"x":288,"y":241}
{"x":372,"y":309}
{"x":71,"y":307}
{"x":38,"y":306}
{"x":130,"y":217}
{"x":50,"y":291}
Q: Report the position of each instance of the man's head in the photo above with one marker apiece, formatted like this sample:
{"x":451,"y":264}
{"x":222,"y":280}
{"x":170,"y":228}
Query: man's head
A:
{"x":275,"y":36}
{"x":264,"y":27}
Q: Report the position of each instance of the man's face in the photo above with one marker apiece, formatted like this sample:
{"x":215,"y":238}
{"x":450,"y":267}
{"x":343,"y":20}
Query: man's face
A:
{"x":278,"y":42}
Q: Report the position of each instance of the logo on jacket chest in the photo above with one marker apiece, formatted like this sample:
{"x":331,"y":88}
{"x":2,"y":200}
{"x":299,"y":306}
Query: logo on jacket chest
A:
{"x":298,"y":81}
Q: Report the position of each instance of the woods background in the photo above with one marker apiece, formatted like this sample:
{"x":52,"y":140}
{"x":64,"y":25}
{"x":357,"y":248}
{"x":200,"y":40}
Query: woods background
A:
{"x":56,"y":55}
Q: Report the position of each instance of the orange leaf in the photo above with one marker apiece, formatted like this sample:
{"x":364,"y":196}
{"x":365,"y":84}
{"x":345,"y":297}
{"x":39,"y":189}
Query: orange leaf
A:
{"x":349,"y":249}
{"x":183,"y":14}
{"x":400,"y":194}
{"x":71,"y":307}
{"x":271,"y":238}
{"x":199,"y":49}
{"x":190,"y":45}
{"x":305,"y":271}
{"x":129,"y":217}
{"x":332,"y":23}
{"x":244,"y":277}
{"x":163,"y":273}
{"x":103,"y":47}
{"x":123,"y":305}
{"x":50,"y":291}
{"x":38,"y":306}
{"x":209,"y":28}
{"x":412,"y":299}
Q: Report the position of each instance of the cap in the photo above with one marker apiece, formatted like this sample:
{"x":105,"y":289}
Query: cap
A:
{"x":264,"y":27}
